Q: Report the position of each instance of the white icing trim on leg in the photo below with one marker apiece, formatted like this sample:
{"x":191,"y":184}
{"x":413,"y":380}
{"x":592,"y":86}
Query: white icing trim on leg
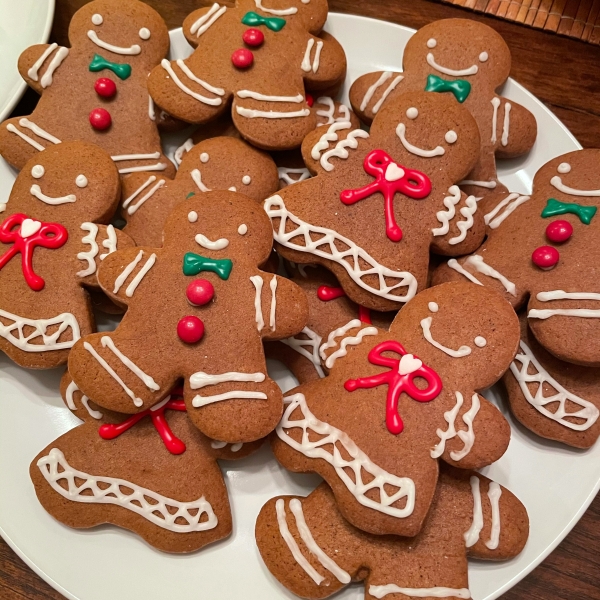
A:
{"x":301,"y":345}
{"x":133,"y":208}
{"x":494,"y":493}
{"x":345,"y":342}
{"x":511,"y":202}
{"x":379,"y":591}
{"x":90,"y":255}
{"x":166,"y":65}
{"x":71,"y":389}
{"x":472,"y":534}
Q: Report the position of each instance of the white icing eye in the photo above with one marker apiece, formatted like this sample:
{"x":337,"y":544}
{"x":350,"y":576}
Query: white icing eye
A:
{"x":144,"y":33}
{"x":483,"y":57}
{"x":97,"y":19}
{"x":433,"y":307}
{"x":431,"y":43}
{"x":451,"y":136}
{"x":412,"y":113}
{"x":192,"y":216}
{"x":37,"y":171}
{"x":81,"y":181}
{"x":480,"y":342}
{"x":564,"y":168}
{"x":204,"y":157}
{"x":243,"y":229}
{"x":246,"y":179}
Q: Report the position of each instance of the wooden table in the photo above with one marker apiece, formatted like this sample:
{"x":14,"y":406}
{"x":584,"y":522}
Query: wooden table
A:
{"x":565,"y":75}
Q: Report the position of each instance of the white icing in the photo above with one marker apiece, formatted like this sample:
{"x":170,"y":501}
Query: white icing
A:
{"x":243,"y":229}
{"x":81,"y":181}
{"x":445,"y":216}
{"x":204,"y":157}
{"x":467,"y":437}
{"x":37,"y":329}
{"x":412,"y":112}
{"x":33,"y":71}
{"x":490,"y":185}
{"x":564,"y":168}
{"x":200,"y":401}
{"x":329,"y":136}
{"x":390,"y":88}
{"x":454,"y":264}
{"x":246,"y":180}
{"x":36,"y":191}
{"x":496,"y":104}
{"x":482,"y":267}
{"x":494,"y":493}
{"x":346,"y":341}
{"x":141,"y":274}
{"x":107,"y":342}
{"x":144,"y":33}
{"x":426,"y":327}
{"x":506,"y":125}
{"x":339,"y":151}
{"x":91,"y":254}
{"x":351,"y":258}
{"x":134,"y":207}
{"x":562,"y":295}
{"x":156,"y":167}
{"x":166,"y":65}
{"x":219,"y":244}
{"x":127,"y":271}
{"x":151,"y":111}
{"x":431,"y":43}
{"x":511,"y":202}
{"x":197,"y":178}
{"x":565,"y":189}
{"x":232,"y":189}
{"x":36,"y":130}
{"x":284,"y":175}
{"x":185,"y":147}
{"x":379,"y":591}
{"x":450,"y":418}
{"x":56,"y":61}
{"x":401,"y":133}
{"x":451,"y":136}
{"x":192,"y":216}
{"x":272,"y":11}
{"x":157,"y":511}
{"x":71,"y":389}
{"x":250,"y":113}
{"x":472,"y":70}
{"x":97,"y":19}
{"x":110,"y":243}
{"x":29,"y":227}
{"x":37,"y":171}
{"x":483,"y":57}
{"x":218,"y":445}
{"x":588,"y":411}
{"x":480,"y":341}
{"x":207,"y":19}
{"x":273,"y":286}
{"x":433,"y":307}
{"x":463,"y":226}
{"x":306,"y":65}
{"x":309,"y":348}
{"x":472,"y":534}
{"x":201,"y":379}
{"x":131,"y":50}
{"x":257,"y":96}
{"x":380,"y":480}
{"x":257,"y":282}
{"x":369,"y":94}
{"x":584,"y":313}
{"x":330,"y":111}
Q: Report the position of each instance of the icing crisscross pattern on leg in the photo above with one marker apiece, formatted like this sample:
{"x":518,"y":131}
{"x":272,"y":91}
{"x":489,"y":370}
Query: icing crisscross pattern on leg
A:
{"x":40,"y":327}
{"x":309,"y":347}
{"x":588,"y":412}
{"x":350,"y":259}
{"x":136,"y":501}
{"x":358,"y":463}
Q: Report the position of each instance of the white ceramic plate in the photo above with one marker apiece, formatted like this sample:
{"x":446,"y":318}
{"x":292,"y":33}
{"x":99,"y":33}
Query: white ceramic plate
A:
{"x":22,"y":24}
{"x":556,"y":484}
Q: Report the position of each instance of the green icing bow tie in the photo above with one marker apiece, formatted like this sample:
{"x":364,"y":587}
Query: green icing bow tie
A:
{"x":459,"y":87}
{"x":194,"y":264}
{"x":122,"y":71}
{"x":273,"y":23}
{"x":555,"y":207}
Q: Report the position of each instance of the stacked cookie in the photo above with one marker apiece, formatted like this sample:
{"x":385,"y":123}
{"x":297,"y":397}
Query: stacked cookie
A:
{"x":382,"y":267}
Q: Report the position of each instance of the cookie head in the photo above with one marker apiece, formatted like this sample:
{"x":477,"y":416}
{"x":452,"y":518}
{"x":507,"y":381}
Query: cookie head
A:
{"x":432,"y":132}
{"x":130,"y":31}
{"x":68,"y":182}
{"x":221,"y":225}
{"x":310,"y":14}
{"x":572,"y":177}
{"x":459,"y":48}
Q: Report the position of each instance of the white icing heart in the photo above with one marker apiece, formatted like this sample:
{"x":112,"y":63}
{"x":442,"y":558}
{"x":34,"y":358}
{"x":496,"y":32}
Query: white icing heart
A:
{"x":29,"y":227}
{"x":409,"y":364}
{"x":393,"y":172}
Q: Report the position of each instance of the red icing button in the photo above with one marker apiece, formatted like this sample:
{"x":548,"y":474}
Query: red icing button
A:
{"x":242,"y":58}
{"x":105,"y":87}
{"x":253,"y":37}
{"x":199,"y":292}
{"x":309,"y":100}
{"x":100,"y":119}
{"x":190,"y":329}
{"x":559,"y":231}
{"x":545,"y":257}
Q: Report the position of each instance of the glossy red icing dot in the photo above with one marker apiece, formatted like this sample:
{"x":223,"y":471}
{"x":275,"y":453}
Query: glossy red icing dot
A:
{"x":100,"y":119}
{"x":253,"y":37}
{"x":105,"y":87}
{"x":545,"y":257}
{"x":242,"y":58}
{"x":310,"y":100}
{"x":199,"y":292}
{"x":190,"y":329}
{"x":559,"y":231}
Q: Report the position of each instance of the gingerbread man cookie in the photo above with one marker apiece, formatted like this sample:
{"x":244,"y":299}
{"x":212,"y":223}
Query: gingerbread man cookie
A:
{"x":256,"y":56}
{"x":207,"y":330}
{"x":223,"y":163}
{"x":314,"y":552}
{"x":96,"y":90}
{"x":468,"y":61}
{"x":389,"y":432}
{"x":53,"y":237}
{"x":153,"y":473}
{"x":535,"y":254}
{"x":380,"y":202}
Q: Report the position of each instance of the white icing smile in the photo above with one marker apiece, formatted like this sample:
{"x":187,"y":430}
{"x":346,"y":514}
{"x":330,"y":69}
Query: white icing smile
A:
{"x":426,"y":326}
{"x":556,"y":181}
{"x":216,"y":245}
{"x":401,"y":133}
{"x":135,"y":49}
{"x":273,"y":11}
{"x":472,"y":70}
{"x":37,"y":192}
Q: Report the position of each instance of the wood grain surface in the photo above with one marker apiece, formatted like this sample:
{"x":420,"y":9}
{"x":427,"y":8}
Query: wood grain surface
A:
{"x":564,"y":74}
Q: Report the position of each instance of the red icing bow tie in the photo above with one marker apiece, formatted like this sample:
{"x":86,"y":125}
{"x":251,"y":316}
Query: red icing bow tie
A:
{"x":25,"y":234}
{"x":390,"y":179}
{"x":400,"y":378}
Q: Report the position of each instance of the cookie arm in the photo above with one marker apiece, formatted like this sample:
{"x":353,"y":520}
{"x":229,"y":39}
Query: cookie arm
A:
{"x":96,"y":243}
{"x":516,"y":129}
{"x":38,"y":64}
{"x":370,"y":91}
{"x":323,"y":62}
{"x":200,"y":21}
{"x":460,"y":226}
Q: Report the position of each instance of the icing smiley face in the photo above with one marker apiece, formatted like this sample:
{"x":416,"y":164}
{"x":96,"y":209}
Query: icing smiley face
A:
{"x":565,"y":168}
{"x":472,"y":70}
{"x":412,"y":113}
